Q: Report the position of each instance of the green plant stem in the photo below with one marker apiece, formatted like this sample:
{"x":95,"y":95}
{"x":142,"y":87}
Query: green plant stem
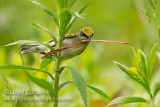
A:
{"x":152,"y":100}
{"x":57,"y":68}
{"x":56,"y":86}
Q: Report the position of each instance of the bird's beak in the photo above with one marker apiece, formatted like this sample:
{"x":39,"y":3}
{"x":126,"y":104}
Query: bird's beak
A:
{"x":89,"y":37}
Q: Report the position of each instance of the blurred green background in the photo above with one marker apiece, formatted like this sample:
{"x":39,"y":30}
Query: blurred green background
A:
{"x":120,"y":20}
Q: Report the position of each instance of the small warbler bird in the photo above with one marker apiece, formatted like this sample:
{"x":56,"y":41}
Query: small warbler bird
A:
{"x":85,"y":34}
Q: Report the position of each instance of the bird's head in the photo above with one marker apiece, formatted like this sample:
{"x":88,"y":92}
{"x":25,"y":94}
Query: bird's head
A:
{"x":86,"y":33}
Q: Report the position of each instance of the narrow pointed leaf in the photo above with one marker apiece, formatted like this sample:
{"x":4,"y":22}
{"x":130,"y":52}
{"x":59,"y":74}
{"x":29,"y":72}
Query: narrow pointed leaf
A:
{"x":61,"y":69}
{"x":151,"y":60}
{"x":76,"y":14}
{"x":74,"y":18}
{"x":30,"y":42}
{"x":59,"y":5}
{"x":46,"y":10}
{"x":85,"y":6}
{"x":65,"y":83}
{"x":137,"y":62}
{"x":126,"y":100}
{"x":7,"y":84}
{"x":65,"y":18}
{"x":46,"y":30}
{"x":148,"y":7}
{"x":100,"y":92}
{"x":142,"y":65}
{"x":80,"y":84}
{"x":135,"y":54}
{"x":44,"y":84}
{"x":141,"y":61}
{"x":134,"y":76}
{"x":157,"y":89}
{"x":45,"y":62}
{"x":70,"y":3}
{"x":157,"y":10}
{"x":24,"y":68}
{"x":147,"y":15}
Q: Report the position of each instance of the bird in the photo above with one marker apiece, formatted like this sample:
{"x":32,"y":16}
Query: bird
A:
{"x":85,"y":33}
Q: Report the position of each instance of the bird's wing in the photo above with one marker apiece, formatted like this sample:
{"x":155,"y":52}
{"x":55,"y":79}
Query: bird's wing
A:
{"x":70,"y":36}
{"x":51,"y":43}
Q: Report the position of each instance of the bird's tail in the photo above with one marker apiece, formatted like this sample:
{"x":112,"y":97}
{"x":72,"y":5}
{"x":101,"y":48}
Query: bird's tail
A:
{"x":29,"y":48}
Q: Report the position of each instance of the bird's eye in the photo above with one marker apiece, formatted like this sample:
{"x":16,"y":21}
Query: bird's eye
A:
{"x":92,"y":35}
{"x":84,"y":34}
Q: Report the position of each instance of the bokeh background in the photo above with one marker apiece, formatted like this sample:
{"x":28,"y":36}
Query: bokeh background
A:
{"x":120,"y":20}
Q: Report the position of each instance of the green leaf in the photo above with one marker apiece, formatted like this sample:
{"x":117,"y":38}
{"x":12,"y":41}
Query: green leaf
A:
{"x":126,"y":100}
{"x":147,"y":15}
{"x":158,"y":30}
{"x":137,"y":61}
{"x":134,"y":76}
{"x":47,"y":31}
{"x":30,"y":42}
{"x":65,"y":18}
{"x":135,"y":54}
{"x":61,"y":69}
{"x":45,"y":62}
{"x":157,"y":89}
{"x":59,"y":5}
{"x":46,"y":10}
{"x":6,"y":82}
{"x":85,"y":6}
{"x":65,"y":83}
{"x":148,"y":7}
{"x":24,"y":68}
{"x":74,"y":18}
{"x":151,"y":60}
{"x":76,"y":14}
{"x":44,"y":84}
{"x":26,"y":42}
{"x":157,"y":10}
{"x":142,"y":65}
{"x":80,"y":84}
{"x":70,"y":3}
{"x":100,"y":92}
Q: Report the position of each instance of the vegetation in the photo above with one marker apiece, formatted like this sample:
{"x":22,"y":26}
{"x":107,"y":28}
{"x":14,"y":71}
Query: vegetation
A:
{"x":58,"y":79}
